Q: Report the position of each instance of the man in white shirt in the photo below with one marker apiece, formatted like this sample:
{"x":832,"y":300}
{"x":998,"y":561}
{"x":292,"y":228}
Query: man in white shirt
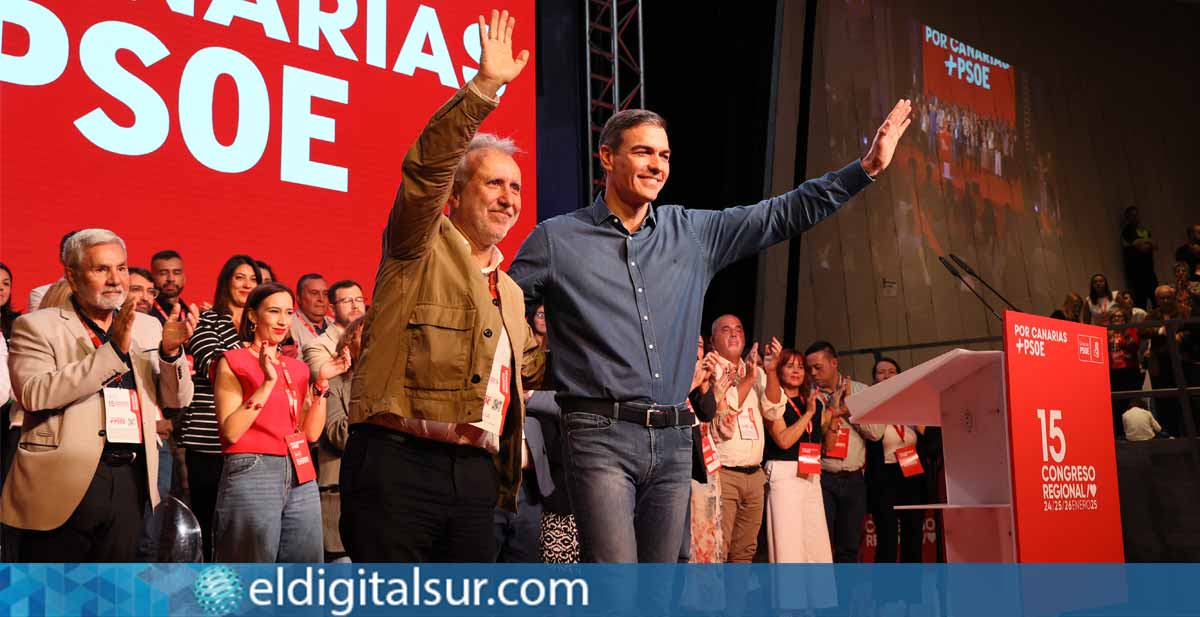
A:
{"x":756,"y":397}
{"x":1140,"y":424}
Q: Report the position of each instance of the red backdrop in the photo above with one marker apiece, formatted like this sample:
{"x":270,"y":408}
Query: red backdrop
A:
{"x":204,"y":189}
{"x":951,"y":84}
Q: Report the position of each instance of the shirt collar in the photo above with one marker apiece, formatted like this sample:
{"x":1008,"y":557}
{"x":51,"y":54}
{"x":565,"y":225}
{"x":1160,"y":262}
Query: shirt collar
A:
{"x":101,"y":333}
{"x":601,"y":213}
{"x":497,"y":256}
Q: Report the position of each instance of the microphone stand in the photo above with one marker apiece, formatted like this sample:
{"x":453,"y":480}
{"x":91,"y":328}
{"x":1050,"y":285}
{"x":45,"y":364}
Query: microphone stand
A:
{"x":955,"y":273}
{"x":966,"y":268}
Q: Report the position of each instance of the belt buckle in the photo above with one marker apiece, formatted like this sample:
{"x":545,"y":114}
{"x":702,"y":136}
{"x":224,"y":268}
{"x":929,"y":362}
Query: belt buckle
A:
{"x":649,"y":411}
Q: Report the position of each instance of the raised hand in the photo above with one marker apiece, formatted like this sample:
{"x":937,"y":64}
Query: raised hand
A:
{"x":752,"y":359}
{"x":121,"y":330}
{"x":886,"y":138}
{"x":338,"y":365}
{"x":267,"y":360}
{"x":701,"y":374}
{"x":771,"y":359}
{"x":811,"y":402}
{"x":179,"y":328}
{"x":497,"y":66}
{"x":724,"y":382}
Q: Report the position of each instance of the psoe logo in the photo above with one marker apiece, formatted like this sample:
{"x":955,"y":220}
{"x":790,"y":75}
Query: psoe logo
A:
{"x":218,"y":591}
{"x":1090,"y":349}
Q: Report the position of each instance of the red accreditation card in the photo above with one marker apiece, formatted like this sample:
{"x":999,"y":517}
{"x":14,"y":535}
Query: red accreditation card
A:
{"x":809,"y":461}
{"x":841,"y":447}
{"x":910,"y":463}
{"x":301,"y":458}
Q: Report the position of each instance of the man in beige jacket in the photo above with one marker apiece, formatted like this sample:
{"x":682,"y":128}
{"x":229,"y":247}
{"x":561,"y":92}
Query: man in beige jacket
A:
{"x":437,"y":406}
{"x":90,"y":380}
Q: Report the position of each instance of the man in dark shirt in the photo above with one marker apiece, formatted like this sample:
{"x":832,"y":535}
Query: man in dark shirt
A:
{"x":166,"y":268}
{"x":1139,"y":258}
{"x":623,"y":287}
{"x":1190,"y":251}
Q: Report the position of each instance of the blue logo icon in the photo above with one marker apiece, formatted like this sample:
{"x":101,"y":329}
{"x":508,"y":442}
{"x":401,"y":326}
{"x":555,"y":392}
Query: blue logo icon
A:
{"x":218,"y":591}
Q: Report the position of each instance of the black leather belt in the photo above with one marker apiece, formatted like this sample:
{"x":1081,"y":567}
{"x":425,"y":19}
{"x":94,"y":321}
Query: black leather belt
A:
{"x":642,"y":414}
{"x":412,"y":441}
{"x":745,"y":470}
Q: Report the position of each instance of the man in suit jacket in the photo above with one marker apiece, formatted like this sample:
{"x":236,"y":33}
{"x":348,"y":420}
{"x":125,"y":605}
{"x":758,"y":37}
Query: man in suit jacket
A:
{"x":91,"y":380}
{"x":348,"y":303}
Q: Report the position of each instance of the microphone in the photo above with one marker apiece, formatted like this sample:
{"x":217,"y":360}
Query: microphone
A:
{"x":966,"y":268}
{"x":954,"y":272}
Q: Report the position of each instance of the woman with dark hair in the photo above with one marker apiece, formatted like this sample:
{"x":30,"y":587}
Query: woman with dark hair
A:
{"x":1098,"y":302}
{"x":796,"y":527}
{"x":894,"y":488}
{"x":265,"y":271}
{"x":7,"y":314}
{"x":268,"y":507}
{"x":199,"y":434}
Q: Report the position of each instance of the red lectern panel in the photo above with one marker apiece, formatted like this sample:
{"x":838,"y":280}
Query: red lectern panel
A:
{"x":1064,"y":470}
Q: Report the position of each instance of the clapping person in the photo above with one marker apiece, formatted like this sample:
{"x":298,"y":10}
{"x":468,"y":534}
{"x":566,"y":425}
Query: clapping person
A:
{"x":90,"y":376}
{"x":796,"y":528}
{"x":897,"y":488}
{"x":268,"y":508}
{"x":216,"y":334}
{"x":703,"y":537}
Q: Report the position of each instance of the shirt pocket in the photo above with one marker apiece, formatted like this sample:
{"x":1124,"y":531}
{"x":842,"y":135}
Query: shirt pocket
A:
{"x":440,"y":346}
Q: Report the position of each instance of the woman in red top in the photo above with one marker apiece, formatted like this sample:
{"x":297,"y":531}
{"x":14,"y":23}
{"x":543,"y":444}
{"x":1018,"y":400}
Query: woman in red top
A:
{"x":268,"y":508}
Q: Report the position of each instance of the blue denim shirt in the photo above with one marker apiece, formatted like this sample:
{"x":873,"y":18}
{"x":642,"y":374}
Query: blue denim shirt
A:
{"x":623,"y":310}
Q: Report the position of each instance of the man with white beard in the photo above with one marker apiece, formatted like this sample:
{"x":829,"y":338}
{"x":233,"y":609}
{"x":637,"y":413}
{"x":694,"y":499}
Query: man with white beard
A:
{"x":91,"y":377}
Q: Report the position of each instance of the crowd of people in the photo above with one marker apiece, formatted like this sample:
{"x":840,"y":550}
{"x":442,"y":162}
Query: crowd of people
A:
{"x":953,"y":133}
{"x":1142,"y":357}
{"x":567,"y":409}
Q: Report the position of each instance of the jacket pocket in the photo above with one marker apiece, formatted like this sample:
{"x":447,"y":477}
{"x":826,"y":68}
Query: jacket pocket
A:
{"x":42,"y":430}
{"x":439,"y":347}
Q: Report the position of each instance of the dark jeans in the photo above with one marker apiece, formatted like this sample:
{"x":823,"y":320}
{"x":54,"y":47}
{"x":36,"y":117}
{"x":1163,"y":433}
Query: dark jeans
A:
{"x":896,"y":490}
{"x":845,"y":496}
{"x":204,"y":476}
{"x":630,"y":487}
{"x":519,"y":534}
{"x":413,"y":500}
{"x":105,"y":526}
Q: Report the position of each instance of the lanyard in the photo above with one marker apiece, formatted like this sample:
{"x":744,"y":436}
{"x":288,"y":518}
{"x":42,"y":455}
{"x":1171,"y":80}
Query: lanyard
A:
{"x":807,"y":429}
{"x":293,"y":405}
{"x":304,"y":320}
{"x":899,"y":431}
{"x":91,"y":333}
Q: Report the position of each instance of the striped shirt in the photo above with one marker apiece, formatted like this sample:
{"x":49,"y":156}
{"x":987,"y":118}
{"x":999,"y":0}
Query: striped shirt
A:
{"x":215,"y":334}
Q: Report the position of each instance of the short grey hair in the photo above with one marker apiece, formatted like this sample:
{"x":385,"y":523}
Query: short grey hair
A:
{"x":81,"y":241}
{"x":467,"y":164}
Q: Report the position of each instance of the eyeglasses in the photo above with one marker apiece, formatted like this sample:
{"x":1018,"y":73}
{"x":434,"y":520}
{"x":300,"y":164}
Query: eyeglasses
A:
{"x":149,"y":291}
{"x":358,"y":300}
{"x":540,"y":314}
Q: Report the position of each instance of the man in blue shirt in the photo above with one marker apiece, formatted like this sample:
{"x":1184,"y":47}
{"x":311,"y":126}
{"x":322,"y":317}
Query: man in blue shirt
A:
{"x":623,"y":287}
